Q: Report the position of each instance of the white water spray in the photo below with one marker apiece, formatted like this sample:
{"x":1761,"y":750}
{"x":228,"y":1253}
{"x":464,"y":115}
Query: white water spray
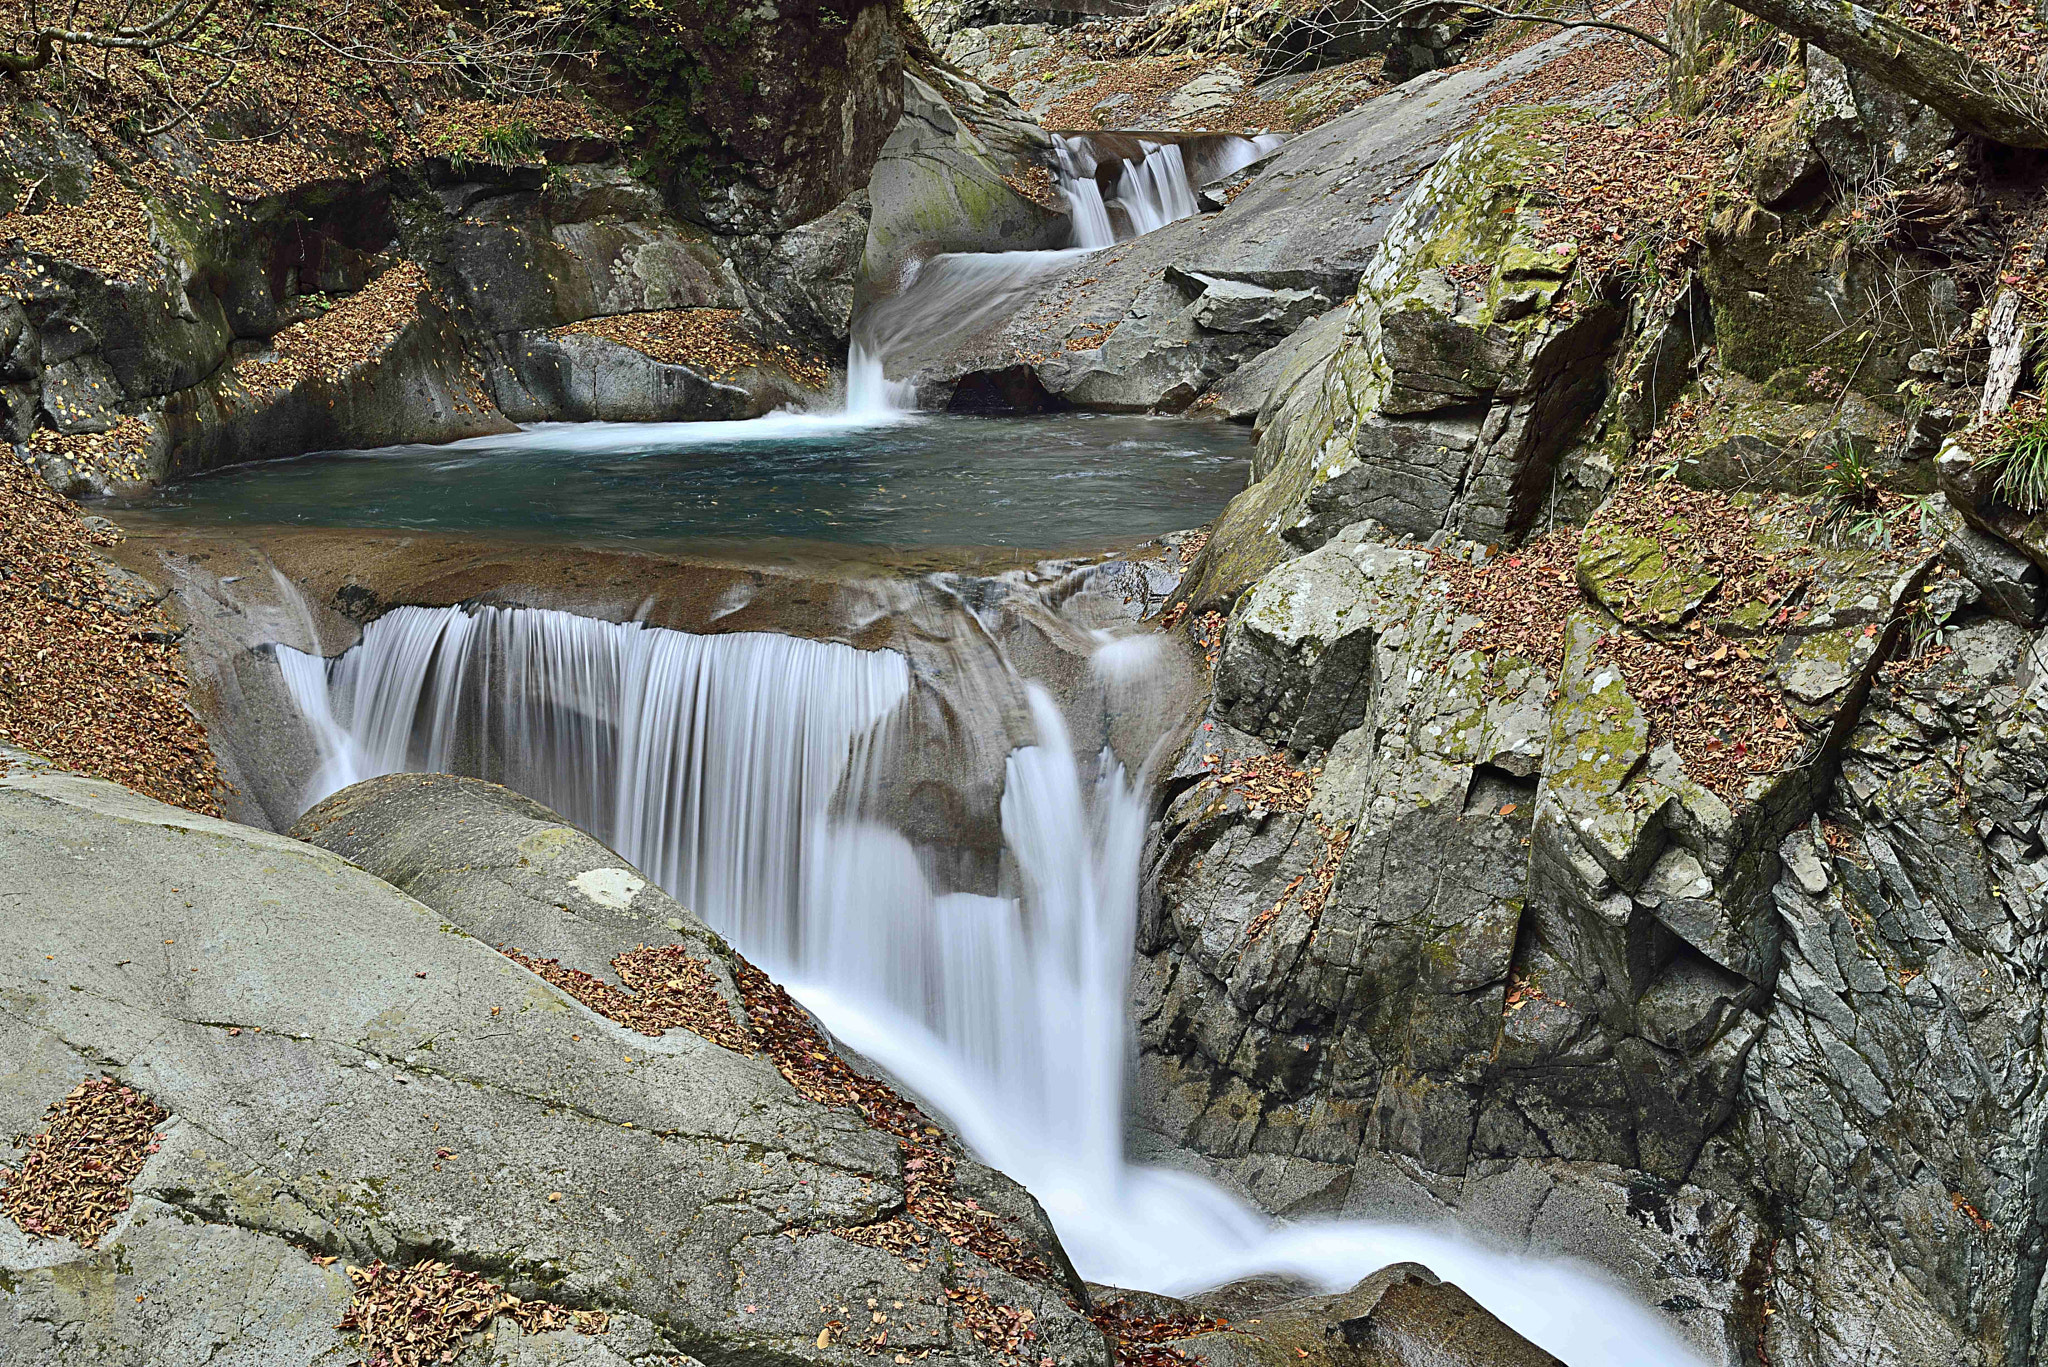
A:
{"x":736,"y":771}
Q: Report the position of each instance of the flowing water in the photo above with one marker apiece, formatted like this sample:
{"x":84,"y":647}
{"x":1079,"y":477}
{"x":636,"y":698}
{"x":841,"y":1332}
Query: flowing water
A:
{"x":761,"y":778}
{"x":749,"y":775}
{"x":951,"y":296}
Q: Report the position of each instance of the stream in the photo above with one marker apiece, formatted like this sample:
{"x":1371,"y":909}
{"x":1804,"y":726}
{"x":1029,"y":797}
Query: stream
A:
{"x":760,"y":778}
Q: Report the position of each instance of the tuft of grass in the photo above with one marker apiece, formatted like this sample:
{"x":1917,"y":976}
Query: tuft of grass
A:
{"x":2019,"y":465}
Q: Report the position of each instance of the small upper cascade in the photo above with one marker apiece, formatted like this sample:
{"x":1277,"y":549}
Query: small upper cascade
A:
{"x":1155,"y":191}
{"x":1153,"y":180}
{"x":1084,"y":193}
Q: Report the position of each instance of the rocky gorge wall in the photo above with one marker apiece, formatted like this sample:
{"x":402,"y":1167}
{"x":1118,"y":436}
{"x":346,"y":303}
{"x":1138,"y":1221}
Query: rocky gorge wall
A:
{"x":1619,"y":816}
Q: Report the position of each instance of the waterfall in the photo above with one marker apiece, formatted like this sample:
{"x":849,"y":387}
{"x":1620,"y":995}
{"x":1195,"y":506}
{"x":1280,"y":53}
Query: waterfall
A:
{"x":748,"y":773}
{"x":1155,"y":191}
{"x":946,"y":299}
{"x":706,"y":760}
{"x":1076,"y":176}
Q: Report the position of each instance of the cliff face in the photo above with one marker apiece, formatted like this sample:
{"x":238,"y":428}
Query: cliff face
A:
{"x":1619,"y":816}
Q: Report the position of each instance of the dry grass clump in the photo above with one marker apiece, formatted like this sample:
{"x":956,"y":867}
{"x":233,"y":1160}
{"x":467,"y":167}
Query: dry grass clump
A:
{"x":420,"y":1315}
{"x":87,"y":679}
{"x":73,"y":1182}
{"x":714,"y":342}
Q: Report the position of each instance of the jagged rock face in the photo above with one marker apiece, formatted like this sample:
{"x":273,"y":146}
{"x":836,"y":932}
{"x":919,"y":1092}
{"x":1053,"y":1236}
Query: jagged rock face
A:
{"x":1456,"y":384}
{"x":1421,"y":900}
{"x":354,"y":1074}
{"x":1893,"y":1100}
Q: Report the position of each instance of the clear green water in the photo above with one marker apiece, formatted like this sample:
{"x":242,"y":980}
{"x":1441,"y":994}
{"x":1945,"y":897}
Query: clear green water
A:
{"x":910,"y":480}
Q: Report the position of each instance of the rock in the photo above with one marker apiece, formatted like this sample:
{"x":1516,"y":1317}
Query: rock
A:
{"x":420,"y":386}
{"x":1403,"y":1315}
{"x":1249,"y":391}
{"x":1889,"y":1099}
{"x":939,"y":185}
{"x":1781,"y":285}
{"x":557,"y":377}
{"x":1234,"y":306}
{"x":801,"y":282}
{"x":1971,"y":493}
{"x":593,"y":241}
{"x":1863,"y":129}
{"x":2014,"y":586}
{"x":1754,"y":437}
{"x":1444,"y":407}
{"x":1209,"y":93}
{"x":352,"y":1073}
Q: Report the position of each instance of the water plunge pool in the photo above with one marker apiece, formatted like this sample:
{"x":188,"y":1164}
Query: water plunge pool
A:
{"x":1062,"y":481}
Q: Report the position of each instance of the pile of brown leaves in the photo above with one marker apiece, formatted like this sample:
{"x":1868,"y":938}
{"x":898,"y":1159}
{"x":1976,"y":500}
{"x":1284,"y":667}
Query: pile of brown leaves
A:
{"x":1314,"y":886}
{"x":420,"y":1315}
{"x":1138,"y":1339}
{"x":85,"y":679}
{"x":120,"y":454}
{"x":1037,"y":184}
{"x":1266,"y":781}
{"x":1002,"y":1329}
{"x":1711,"y":701}
{"x":73,"y":1183}
{"x":358,"y":330}
{"x":108,"y":233}
{"x":665,"y":989}
{"x":714,"y":342}
{"x":1523,"y":598}
{"x":1710,"y":697}
{"x":2004,"y":34}
{"x":1633,"y":193}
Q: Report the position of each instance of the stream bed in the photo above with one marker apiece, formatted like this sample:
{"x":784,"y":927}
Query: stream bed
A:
{"x":887,"y":479}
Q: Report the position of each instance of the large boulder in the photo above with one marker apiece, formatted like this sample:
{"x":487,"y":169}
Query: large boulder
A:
{"x":352,"y":1075}
{"x":1471,"y":357}
{"x":952,"y":178}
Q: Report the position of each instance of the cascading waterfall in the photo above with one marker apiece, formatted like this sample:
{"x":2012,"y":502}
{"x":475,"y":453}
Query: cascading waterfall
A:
{"x":951,"y":295}
{"x":1076,"y":176}
{"x":706,"y":760}
{"x":1155,"y":190}
{"x":741,"y":772}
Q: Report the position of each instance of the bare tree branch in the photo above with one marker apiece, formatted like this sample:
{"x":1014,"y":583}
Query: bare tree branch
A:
{"x":146,"y":38}
{"x":1512,"y":16}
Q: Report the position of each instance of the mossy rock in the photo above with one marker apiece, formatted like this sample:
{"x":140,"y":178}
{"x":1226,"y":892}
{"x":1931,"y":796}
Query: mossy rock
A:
{"x":1644,"y":580}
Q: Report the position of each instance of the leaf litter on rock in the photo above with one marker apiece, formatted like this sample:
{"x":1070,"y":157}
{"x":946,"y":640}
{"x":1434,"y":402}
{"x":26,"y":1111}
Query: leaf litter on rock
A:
{"x":73,"y":1182}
